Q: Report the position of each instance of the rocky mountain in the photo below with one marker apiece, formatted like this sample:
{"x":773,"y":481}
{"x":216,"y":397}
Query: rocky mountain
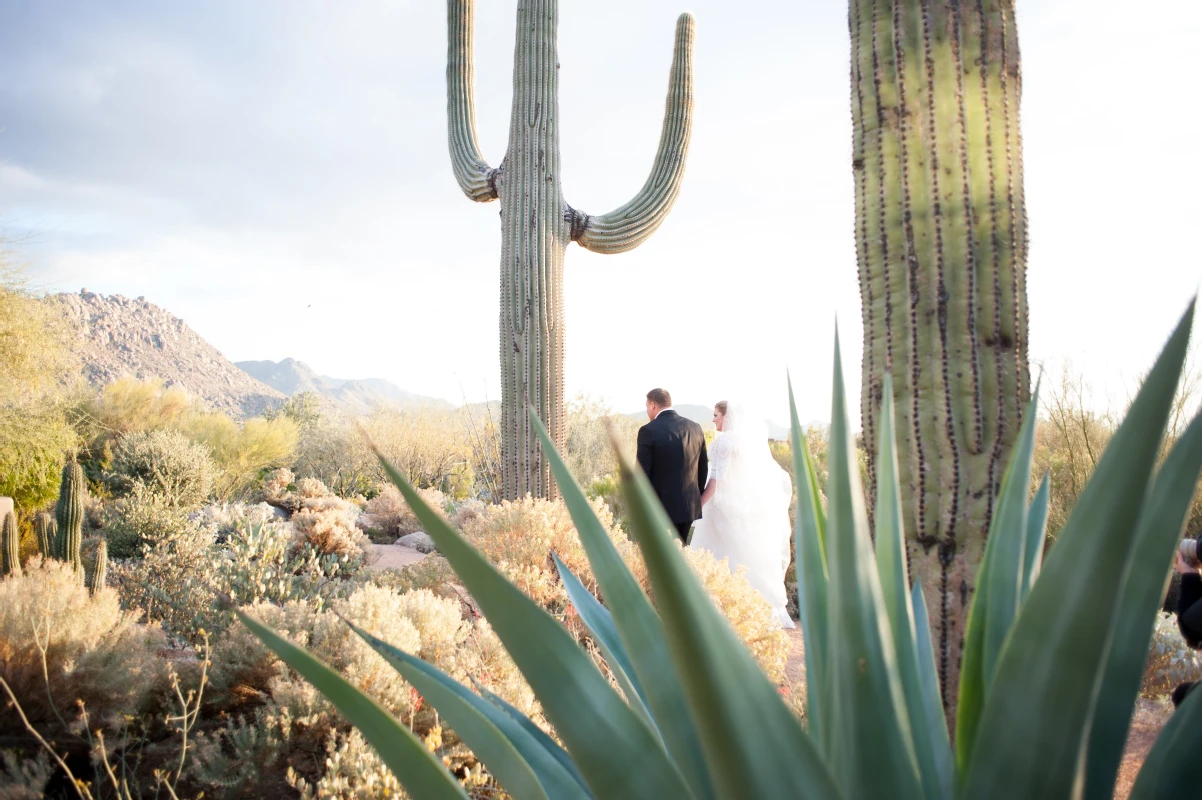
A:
{"x":290,"y":377}
{"x":119,"y":337}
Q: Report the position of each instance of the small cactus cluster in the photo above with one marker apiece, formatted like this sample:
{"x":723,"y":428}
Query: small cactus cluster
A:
{"x":69,"y":513}
{"x":10,"y":560}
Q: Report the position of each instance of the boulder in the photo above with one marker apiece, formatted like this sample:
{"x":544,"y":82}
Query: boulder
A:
{"x":419,"y":541}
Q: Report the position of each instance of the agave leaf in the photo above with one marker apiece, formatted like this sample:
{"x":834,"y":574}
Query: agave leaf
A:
{"x":1171,"y":770}
{"x":535,"y":732}
{"x":929,"y":674}
{"x":755,"y":746}
{"x":418,"y":770}
{"x":619,"y":756}
{"x":872,"y":748}
{"x":601,"y":624}
{"x":521,"y":765}
{"x":1160,"y":524}
{"x":1007,"y":563}
{"x":810,"y":554}
{"x":999,"y":590}
{"x":639,"y":626}
{"x":1037,"y":529}
{"x":932,"y":752}
{"x":1032,"y":733}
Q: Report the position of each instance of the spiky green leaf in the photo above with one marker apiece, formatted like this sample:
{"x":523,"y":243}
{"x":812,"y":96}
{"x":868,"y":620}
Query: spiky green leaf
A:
{"x":754,"y":744}
{"x":519,"y":762}
{"x":812,"y":583}
{"x":619,"y":756}
{"x":639,"y":626}
{"x":418,"y":770}
{"x":872,"y":749}
{"x":1160,"y":524}
{"x":932,"y":751}
{"x":1033,"y":729}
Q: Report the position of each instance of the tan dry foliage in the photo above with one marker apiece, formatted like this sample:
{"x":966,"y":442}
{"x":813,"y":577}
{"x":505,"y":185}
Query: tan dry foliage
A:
{"x":96,"y":652}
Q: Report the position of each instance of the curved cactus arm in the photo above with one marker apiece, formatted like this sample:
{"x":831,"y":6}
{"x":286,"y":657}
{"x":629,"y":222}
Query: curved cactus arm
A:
{"x":629,"y":226}
{"x":476,"y":178}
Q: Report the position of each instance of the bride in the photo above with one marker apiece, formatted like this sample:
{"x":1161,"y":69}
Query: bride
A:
{"x":745,"y":505}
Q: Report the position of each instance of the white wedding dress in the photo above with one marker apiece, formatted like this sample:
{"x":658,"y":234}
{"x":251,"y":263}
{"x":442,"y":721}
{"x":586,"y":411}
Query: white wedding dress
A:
{"x":746,"y":522}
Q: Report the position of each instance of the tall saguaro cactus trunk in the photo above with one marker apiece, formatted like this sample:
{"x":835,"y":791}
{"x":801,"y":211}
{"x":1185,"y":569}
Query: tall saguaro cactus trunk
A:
{"x":941,"y":241}
{"x":537,"y":224}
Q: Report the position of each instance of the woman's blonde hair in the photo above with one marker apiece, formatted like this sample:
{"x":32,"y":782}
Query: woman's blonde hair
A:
{"x":720,"y":407}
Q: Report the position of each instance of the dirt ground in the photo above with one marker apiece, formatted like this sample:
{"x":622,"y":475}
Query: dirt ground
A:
{"x":1150,"y":716}
{"x":394,"y":556}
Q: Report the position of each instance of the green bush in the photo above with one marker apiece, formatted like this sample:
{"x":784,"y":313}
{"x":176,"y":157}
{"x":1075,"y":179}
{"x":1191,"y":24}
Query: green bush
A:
{"x":140,"y":519}
{"x":166,"y":464}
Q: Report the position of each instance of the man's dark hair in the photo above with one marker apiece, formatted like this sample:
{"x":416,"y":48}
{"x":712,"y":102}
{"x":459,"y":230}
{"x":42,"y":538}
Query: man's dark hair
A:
{"x":660,"y":397}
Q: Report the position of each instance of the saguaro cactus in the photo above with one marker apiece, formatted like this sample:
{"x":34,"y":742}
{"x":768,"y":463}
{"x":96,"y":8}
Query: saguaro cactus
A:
{"x":537,"y":224}
{"x":10,"y":541}
{"x":100,"y":563}
{"x":47,"y":530}
{"x":941,"y":241}
{"x":70,"y":515}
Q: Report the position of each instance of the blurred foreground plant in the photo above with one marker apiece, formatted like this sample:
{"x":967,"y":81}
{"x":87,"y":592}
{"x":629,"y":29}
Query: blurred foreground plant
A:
{"x":1051,"y":671}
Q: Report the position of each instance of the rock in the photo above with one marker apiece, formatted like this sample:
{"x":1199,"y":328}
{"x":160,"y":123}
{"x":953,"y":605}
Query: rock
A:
{"x":118,"y":337}
{"x":419,"y":541}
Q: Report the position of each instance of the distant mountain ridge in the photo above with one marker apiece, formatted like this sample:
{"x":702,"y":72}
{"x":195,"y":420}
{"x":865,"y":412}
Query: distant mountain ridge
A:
{"x":119,"y":337}
{"x":357,"y":396}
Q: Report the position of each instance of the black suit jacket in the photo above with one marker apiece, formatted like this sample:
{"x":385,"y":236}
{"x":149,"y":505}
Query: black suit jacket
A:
{"x":672,"y":454}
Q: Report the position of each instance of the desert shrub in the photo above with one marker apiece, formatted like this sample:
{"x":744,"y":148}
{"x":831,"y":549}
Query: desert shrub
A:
{"x":588,"y":449}
{"x":222,"y":519}
{"x":352,"y":771}
{"x":172,"y":580}
{"x":418,"y":622}
{"x":167,"y":464}
{"x":95,"y":651}
{"x":1170,"y":661}
{"x":432,"y":446}
{"x":332,"y":448}
{"x":24,"y":777}
{"x":258,"y":560}
{"x":243,"y":452}
{"x":328,"y":525}
{"x":142,"y":518}
{"x":128,"y":405}
{"x":389,"y":511}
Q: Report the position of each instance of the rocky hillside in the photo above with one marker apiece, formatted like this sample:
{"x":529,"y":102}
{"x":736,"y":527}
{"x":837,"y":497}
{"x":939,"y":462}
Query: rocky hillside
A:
{"x":119,"y":336}
{"x":290,"y":377}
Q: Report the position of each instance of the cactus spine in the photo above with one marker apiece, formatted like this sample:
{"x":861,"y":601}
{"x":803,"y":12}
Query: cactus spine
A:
{"x":941,"y":243}
{"x":10,"y":542}
{"x":96,"y":579}
{"x":46,"y":530}
{"x":537,"y":224}
{"x":69,"y":513}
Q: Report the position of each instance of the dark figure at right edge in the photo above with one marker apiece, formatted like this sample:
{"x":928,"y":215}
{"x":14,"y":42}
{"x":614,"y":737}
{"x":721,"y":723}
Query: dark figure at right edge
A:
{"x":672,"y":455}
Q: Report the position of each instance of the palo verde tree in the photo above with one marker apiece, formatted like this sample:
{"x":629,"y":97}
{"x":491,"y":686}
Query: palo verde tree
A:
{"x":941,"y":242}
{"x":537,"y":224}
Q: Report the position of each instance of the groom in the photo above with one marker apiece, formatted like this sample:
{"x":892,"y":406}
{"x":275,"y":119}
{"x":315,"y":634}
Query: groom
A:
{"x":672,"y":455}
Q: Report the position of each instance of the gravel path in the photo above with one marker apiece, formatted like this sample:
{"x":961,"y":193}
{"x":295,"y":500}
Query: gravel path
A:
{"x":394,"y":556}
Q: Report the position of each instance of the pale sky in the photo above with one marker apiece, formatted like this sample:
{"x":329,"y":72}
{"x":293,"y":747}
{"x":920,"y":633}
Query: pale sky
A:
{"x":236,"y":162}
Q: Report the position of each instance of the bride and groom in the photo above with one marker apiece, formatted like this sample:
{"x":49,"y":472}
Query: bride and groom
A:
{"x":734,"y":497}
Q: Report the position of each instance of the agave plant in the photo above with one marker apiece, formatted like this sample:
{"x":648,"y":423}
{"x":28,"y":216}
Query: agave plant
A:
{"x":1052,"y":661}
